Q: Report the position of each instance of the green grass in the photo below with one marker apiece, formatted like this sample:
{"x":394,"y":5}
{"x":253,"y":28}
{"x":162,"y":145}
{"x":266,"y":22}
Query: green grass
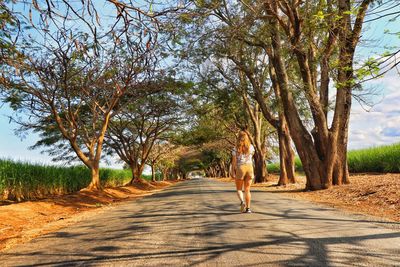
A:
{"x":22,"y":180}
{"x":275,"y":167}
{"x":379,"y":159}
{"x":148,"y":176}
{"x":113,"y":177}
{"x":375,"y":159}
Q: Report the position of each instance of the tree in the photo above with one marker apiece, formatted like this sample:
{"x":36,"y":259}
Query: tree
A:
{"x":215,"y":36}
{"x":254,"y":123}
{"x":216,"y":158}
{"x":168,"y":161}
{"x":134,"y":131}
{"x":9,"y":29}
{"x":308,"y":45}
{"x":158,"y":157}
{"x":254,"y":68}
{"x":208,"y":140}
{"x":68,"y":75}
{"x":317,"y":48}
{"x":75,"y":92}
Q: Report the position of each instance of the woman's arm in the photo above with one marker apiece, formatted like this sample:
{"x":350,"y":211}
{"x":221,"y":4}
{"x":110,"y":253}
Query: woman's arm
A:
{"x":233,"y":167}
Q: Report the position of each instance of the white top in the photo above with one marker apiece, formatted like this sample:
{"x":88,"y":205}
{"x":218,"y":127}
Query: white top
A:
{"x":244,"y":159}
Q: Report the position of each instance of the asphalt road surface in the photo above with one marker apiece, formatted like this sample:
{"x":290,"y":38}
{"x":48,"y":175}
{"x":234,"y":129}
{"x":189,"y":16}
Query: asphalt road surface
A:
{"x":198,"y":223}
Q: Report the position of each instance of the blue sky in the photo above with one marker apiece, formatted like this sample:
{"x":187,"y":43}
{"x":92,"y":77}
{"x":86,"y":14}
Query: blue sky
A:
{"x":14,"y":146}
{"x":378,"y":125}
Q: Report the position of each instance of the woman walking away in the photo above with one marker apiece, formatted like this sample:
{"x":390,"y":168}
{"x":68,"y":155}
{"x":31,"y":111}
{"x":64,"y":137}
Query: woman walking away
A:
{"x":242,"y":166}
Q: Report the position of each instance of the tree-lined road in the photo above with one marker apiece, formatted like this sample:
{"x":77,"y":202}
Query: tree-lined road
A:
{"x":197,"y":223}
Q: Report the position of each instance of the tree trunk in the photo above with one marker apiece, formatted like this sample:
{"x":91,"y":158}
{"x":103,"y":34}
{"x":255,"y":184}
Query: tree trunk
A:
{"x":210,"y":172}
{"x":260,"y":168}
{"x":153,"y":174}
{"x":340,"y":173}
{"x":286,"y":155}
{"x":183,"y":175}
{"x":216,"y":171}
{"x":95,"y":182}
{"x":223,"y":169}
{"x":165,"y":174}
{"x":312,"y":164}
{"x":176,"y":174}
{"x":220,"y":171}
{"x":137,"y":170}
{"x":336,"y":164}
{"x":227,"y":169}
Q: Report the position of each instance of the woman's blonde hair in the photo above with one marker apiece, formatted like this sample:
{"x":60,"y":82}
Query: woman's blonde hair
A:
{"x":243,"y":143}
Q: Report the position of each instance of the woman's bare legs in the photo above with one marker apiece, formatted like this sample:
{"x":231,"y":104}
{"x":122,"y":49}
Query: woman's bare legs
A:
{"x":239,"y":188}
{"x":247,"y":184}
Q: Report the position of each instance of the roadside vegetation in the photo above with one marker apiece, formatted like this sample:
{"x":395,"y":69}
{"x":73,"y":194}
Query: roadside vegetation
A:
{"x":23,"y":180}
{"x":375,"y":159}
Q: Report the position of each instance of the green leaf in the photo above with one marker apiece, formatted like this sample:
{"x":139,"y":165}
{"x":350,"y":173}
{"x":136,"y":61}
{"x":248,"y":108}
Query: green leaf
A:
{"x":320,"y":15}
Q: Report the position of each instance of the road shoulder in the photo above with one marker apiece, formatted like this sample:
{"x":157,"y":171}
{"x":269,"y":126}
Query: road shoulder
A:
{"x":374,"y":195}
{"x":21,"y":222}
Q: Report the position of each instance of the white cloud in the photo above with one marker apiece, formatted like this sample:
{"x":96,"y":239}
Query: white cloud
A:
{"x":381,"y":124}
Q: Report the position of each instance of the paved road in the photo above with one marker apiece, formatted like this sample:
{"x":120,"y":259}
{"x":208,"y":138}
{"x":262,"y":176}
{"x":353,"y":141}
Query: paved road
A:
{"x":197,"y":223}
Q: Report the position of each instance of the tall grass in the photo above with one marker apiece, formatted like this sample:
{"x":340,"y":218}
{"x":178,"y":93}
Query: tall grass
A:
{"x":113,"y":177}
{"x":273,"y":168}
{"x":375,"y":159}
{"x":22,"y":180}
{"x":379,"y":159}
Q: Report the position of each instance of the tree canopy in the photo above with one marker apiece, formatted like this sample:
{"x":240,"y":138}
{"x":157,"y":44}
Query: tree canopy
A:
{"x":170,"y":84}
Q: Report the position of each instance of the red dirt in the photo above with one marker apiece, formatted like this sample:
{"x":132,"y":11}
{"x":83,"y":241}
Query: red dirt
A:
{"x":20,"y":222}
